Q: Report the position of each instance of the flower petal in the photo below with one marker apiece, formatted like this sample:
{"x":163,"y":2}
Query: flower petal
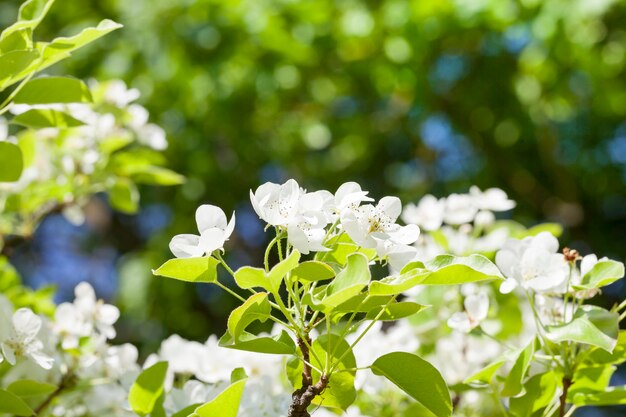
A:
{"x":209,"y":216}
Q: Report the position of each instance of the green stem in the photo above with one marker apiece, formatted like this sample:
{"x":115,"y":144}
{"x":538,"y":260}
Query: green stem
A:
{"x":231,"y":292}
{"x":4,"y":107}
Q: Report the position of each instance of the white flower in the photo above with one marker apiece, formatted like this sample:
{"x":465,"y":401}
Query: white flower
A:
{"x":427,"y":214}
{"x":493,"y":199}
{"x":306,"y":231}
{"x":532,"y":263}
{"x":349,"y":195}
{"x":117,"y":93}
{"x":20,"y":339}
{"x":100,"y":315}
{"x":70,"y":325}
{"x":277,"y":204}
{"x":460,"y":209}
{"x":367,"y":224}
{"x":476,"y":309}
{"x":214,"y":231}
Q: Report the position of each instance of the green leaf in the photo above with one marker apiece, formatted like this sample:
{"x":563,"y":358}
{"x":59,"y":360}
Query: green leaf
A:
{"x":397,"y":284}
{"x":124,"y":196}
{"x":187,"y":411}
{"x":311,"y":271}
{"x":61,"y":48}
{"x":342,"y":250}
{"x":281,"y":344}
{"x":156,"y":175}
{"x":237,"y":375}
{"x":603,"y":273}
{"x":34,"y":10}
{"x":591,"y":325}
{"x":41,"y":118}
{"x":16,"y":40}
{"x":554,"y":228}
{"x":395,"y":311}
{"x":349,"y":282}
{"x":363,"y":303}
{"x":202,"y":269}
{"x":599,"y":356}
{"x":417,"y":378}
{"x":248,"y":277}
{"x":485,"y":375}
{"x":611,"y":396}
{"x":281,"y":269}
{"x":226,"y":404}
{"x":11,"y":161}
{"x":513,"y":382}
{"x":12,"y":404}
{"x":13,"y":64}
{"x":29,"y":388}
{"x":590,"y":379}
{"x":257,"y":307}
{"x":540,"y":390}
{"x":147,"y":389}
{"x":449,"y":270}
{"x":442,"y":270}
{"x":49,"y":90}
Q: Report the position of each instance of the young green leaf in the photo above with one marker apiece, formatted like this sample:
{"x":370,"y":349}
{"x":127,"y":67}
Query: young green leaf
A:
{"x":42,"y":118}
{"x":11,"y":161}
{"x":29,"y":388}
{"x":147,"y":389}
{"x":49,"y":90}
{"x":13,"y":405}
{"x":417,"y":378}
{"x":226,"y":404}
{"x":603,"y":273}
{"x":202,"y":269}
{"x":394,"y":311}
{"x":539,"y":392}
{"x":591,"y":325}
{"x":13,"y":64}
{"x":257,"y":307}
{"x":124,"y":196}
{"x":513,"y":384}
{"x":281,"y":269}
{"x":348,"y":283}
{"x":281,"y":344}
{"x":449,"y":269}
{"x":311,"y":271}
{"x":248,"y":277}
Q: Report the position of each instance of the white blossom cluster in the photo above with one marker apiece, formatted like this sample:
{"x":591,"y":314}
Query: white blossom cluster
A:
{"x":309,"y":219}
{"x":459,"y":224}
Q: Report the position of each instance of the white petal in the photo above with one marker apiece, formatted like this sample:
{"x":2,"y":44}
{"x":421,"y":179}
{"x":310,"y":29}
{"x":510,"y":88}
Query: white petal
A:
{"x":460,"y":322}
{"x":209,"y":216}
{"x":477,"y":306}
{"x":42,"y":360}
{"x":391,"y":206}
{"x":587,"y":263}
{"x":211,"y":240}
{"x":27,"y":322}
{"x":298,"y":239}
{"x":186,"y":246}
{"x":508,"y":285}
{"x":405,"y":234}
{"x":85,"y":290}
{"x":506,"y":261}
{"x":545,"y":240}
{"x":8,"y":353}
{"x":230,"y":227}
{"x":109,"y":314}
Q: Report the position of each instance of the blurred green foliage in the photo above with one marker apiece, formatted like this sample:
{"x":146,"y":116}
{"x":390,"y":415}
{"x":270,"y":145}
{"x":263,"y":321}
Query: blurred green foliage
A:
{"x":406,"y":97}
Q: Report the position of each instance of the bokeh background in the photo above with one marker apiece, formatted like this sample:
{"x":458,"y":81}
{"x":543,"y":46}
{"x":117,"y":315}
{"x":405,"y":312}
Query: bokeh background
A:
{"x":405,"y":97}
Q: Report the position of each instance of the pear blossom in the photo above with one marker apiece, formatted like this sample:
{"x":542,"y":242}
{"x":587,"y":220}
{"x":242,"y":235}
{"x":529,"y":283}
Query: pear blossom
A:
{"x":532,"y":263}
{"x":277,"y":204}
{"x":460,"y":209}
{"x":100,"y":315}
{"x":367,"y":224}
{"x":20,"y":338}
{"x":427,"y":214}
{"x":493,"y":199}
{"x":306,"y":231}
{"x":214,"y":232}
{"x":476,"y":309}
{"x":349,"y":195}
{"x":70,"y":325}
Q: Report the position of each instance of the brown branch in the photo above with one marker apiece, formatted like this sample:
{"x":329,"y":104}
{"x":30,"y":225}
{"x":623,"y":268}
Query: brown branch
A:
{"x":303,"y":396}
{"x":566,"y":384}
